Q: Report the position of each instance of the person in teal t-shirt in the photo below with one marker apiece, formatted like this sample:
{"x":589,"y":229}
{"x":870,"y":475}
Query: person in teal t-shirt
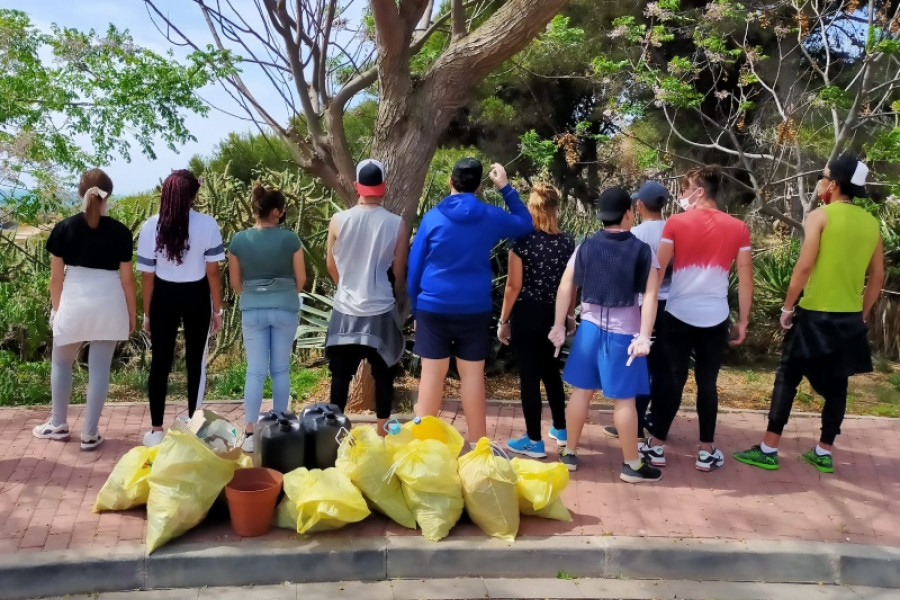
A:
{"x":266,"y":268}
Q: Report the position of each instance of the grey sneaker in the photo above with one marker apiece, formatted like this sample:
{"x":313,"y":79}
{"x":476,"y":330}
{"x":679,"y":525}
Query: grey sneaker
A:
{"x":568,"y":459}
{"x":644,"y":473}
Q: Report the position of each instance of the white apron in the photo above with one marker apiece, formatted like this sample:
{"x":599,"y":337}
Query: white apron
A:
{"x":92,"y":307}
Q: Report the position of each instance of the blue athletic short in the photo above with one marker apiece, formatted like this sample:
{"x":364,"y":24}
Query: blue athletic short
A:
{"x":464,"y":336}
{"x":597,"y":361}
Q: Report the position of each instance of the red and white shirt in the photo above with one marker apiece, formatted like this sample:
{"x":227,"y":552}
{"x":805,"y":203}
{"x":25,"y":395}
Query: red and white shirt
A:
{"x":706,"y":244}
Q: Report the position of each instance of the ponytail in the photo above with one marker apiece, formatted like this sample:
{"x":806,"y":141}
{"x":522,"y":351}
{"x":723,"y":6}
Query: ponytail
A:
{"x":94,"y":188}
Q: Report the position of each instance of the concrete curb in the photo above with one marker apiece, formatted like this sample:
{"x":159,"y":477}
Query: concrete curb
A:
{"x":29,"y":575}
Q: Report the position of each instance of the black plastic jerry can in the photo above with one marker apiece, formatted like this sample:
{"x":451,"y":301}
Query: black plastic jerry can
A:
{"x":282,"y":442}
{"x":322,"y":424}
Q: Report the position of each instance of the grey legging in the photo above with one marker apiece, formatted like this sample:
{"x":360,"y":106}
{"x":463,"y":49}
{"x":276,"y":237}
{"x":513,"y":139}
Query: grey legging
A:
{"x":99,"y":360}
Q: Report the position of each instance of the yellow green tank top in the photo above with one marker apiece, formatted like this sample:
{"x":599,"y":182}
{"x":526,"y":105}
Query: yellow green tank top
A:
{"x":845,"y":250}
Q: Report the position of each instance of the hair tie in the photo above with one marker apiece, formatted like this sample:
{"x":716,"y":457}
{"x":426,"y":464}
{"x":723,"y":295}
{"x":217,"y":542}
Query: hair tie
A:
{"x":85,"y":200}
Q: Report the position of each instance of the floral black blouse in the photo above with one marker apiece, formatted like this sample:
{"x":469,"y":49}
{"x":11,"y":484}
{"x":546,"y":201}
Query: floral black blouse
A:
{"x":544,"y":257}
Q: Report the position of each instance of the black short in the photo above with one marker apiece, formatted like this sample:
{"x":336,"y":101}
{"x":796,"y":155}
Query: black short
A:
{"x":467,"y":337}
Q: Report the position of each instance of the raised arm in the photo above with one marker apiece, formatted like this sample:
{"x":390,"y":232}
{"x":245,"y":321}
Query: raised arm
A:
{"x":517,"y":222}
{"x":875,"y":280}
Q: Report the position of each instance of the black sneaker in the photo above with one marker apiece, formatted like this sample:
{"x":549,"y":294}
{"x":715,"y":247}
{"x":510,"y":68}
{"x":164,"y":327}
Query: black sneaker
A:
{"x":644,"y":473}
{"x":568,"y":459}
{"x":610,"y":431}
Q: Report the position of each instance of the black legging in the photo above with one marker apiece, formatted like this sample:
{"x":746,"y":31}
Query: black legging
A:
{"x":531,"y":322}
{"x":175,"y":304}
{"x":707,"y":344}
{"x":343,"y":361}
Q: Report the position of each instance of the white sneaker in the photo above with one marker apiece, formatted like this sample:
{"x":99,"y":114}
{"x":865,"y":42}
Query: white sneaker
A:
{"x":248,"y":446}
{"x":655,"y":454}
{"x":91,"y":442}
{"x":49,"y":431}
{"x":707,"y":461}
{"x":183,"y":421}
{"x":153,"y":438}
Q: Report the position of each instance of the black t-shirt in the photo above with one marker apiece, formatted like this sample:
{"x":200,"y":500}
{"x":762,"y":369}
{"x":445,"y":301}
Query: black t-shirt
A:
{"x":105,"y":247}
{"x":544,"y":257}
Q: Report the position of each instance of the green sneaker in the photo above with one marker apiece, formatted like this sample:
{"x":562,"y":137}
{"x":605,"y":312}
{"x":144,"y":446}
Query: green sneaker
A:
{"x":824,"y":464}
{"x":756,"y":457}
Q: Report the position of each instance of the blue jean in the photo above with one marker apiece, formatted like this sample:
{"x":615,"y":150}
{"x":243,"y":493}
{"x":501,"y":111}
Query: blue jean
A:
{"x":268,"y":339}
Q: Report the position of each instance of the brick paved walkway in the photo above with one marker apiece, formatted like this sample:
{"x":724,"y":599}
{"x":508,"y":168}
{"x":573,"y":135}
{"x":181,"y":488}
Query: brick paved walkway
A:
{"x":47,"y":488}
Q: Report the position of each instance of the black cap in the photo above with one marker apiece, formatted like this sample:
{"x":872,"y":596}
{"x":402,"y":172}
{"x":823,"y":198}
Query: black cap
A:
{"x":850,"y":173}
{"x":653,"y":194}
{"x":614,"y":202}
{"x":467,"y":174}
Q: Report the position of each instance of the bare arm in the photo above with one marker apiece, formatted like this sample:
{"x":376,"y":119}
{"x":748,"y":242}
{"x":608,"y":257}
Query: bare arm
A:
{"x":147,"y":291}
{"x":745,"y":296}
{"x":648,"y":308}
{"x":126,"y":275}
{"x":299,"y":269}
{"x":564,"y":295}
{"x":812,"y":236}
{"x":234,"y":274}
{"x":513,"y":285}
{"x":214,"y":276}
{"x":329,"y":251}
{"x":401,"y":256}
{"x":57,"y":274}
{"x":875,"y":280}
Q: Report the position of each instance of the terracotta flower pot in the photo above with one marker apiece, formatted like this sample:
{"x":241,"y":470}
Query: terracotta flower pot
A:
{"x":251,"y":496}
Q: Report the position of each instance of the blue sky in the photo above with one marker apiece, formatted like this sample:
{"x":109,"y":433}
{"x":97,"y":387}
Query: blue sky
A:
{"x":142,"y":173}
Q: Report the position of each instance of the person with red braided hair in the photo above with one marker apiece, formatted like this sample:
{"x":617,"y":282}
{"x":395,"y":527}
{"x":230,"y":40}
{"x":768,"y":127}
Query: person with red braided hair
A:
{"x":178,"y":254}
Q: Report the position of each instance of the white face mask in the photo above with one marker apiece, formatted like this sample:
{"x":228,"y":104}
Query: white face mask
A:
{"x":685,"y":202}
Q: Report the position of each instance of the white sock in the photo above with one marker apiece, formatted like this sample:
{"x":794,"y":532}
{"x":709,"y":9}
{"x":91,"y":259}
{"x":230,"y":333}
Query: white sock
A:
{"x":820,"y":451}
{"x":634,"y":464}
{"x":767,"y":449}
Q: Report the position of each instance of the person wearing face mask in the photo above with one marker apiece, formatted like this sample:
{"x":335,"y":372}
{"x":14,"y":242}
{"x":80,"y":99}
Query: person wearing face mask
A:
{"x":266,"y":267}
{"x":702,"y":243}
{"x":367,"y":246}
{"x":839,"y":272}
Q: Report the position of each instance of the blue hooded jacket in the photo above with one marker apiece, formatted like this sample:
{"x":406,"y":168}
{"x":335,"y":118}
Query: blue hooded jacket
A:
{"x":450,"y":260}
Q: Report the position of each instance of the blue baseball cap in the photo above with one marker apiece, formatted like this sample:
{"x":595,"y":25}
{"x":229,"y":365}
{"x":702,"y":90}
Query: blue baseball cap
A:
{"x":653,"y":194}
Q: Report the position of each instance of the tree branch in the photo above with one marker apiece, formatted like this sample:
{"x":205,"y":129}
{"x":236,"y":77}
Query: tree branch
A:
{"x":459,"y":19}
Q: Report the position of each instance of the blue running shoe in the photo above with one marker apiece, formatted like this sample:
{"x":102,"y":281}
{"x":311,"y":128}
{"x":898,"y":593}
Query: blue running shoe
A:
{"x":525,"y":446}
{"x":559,"y":435}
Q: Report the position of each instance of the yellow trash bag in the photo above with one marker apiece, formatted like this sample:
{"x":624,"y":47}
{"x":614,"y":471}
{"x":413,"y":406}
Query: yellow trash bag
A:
{"x":433,"y":428}
{"x":364,"y":458}
{"x":127,"y":485}
{"x":489,"y":490}
{"x":428,"y":471}
{"x":185,"y":481}
{"x":539,"y":487}
{"x":322,"y":500}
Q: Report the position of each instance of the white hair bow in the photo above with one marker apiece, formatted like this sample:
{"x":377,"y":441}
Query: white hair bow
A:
{"x":91,"y":192}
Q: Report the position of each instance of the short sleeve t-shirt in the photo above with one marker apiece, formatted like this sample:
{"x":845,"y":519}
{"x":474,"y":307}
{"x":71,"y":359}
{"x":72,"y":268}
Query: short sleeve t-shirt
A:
{"x":204,"y":244}
{"x":705,"y":245}
{"x":79,"y":245}
{"x":622,"y":319}
{"x":544,"y":258}
{"x":650,"y":232}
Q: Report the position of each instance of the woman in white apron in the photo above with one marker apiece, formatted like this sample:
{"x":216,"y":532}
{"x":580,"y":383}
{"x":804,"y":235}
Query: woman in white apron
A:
{"x":266,"y":268}
{"x":92,"y":294}
{"x":178,"y":255}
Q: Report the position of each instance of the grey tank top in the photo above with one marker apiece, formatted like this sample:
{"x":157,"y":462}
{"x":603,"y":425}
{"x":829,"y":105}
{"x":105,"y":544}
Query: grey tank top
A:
{"x":367,"y":236}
